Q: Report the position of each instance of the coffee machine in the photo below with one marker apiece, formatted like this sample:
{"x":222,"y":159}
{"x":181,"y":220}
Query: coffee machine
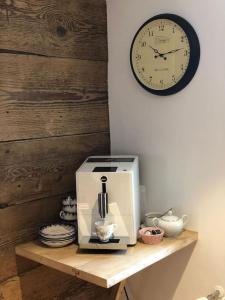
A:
{"x":108,"y":189}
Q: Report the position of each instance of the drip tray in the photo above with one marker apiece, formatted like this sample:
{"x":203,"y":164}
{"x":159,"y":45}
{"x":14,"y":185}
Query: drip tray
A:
{"x":119,"y":243}
{"x":110,"y":241}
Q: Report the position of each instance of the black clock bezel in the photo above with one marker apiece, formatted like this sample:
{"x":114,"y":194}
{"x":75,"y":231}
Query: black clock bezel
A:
{"x":193,"y":60}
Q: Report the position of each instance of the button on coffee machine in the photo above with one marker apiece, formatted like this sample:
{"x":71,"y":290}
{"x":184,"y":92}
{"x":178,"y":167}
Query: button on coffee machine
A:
{"x":108,"y":202}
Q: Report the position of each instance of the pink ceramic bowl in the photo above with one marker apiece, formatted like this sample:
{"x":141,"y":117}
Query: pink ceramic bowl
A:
{"x":151,"y":239}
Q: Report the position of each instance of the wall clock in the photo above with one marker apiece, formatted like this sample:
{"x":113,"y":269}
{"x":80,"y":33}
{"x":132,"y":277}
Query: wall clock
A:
{"x":165,"y":54}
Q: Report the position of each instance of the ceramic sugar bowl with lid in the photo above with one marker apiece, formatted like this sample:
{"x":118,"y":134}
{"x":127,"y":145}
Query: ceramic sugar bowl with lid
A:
{"x":172,"y":225}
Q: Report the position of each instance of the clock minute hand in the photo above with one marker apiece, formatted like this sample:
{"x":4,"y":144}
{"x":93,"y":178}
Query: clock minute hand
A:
{"x":172,"y":51}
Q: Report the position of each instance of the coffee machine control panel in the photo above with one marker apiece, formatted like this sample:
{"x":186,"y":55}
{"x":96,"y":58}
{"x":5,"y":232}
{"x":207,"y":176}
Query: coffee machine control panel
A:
{"x":108,"y":164}
{"x":109,"y":159}
{"x":105,"y":169}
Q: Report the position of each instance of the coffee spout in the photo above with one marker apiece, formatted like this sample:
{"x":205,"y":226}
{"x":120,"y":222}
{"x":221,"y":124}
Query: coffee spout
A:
{"x":103,"y":200}
{"x":103,"y":204}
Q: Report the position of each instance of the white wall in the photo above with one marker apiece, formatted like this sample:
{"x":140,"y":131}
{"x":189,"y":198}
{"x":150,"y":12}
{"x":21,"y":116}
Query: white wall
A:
{"x":180,"y":140}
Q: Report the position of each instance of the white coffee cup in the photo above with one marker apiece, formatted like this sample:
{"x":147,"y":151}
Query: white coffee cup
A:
{"x":67,"y":216}
{"x":70,"y":208}
{"x":104,"y":230}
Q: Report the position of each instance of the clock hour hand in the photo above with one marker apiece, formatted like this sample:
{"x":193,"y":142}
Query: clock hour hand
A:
{"x":154,"y":49}
{"x":157,"y":52}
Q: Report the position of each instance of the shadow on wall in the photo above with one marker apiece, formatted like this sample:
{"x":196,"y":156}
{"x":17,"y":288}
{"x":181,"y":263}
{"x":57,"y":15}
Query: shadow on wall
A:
{"x":160,"y":279}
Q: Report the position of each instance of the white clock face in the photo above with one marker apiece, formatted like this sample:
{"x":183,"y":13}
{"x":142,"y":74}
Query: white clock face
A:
{"x":160,"y":54}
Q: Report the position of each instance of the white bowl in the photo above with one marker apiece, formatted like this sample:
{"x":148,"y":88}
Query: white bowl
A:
{"x":58,"y":237}
{"x":57,"y":230}
{"x":57,"y":244}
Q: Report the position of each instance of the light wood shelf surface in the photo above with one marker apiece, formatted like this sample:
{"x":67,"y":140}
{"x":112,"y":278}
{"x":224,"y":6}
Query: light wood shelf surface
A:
{"x":102,"y":268}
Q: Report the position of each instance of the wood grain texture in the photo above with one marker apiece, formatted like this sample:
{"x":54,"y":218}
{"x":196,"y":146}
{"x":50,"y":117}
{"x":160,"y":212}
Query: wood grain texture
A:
{"x":75,"y":29}
{"x":53,"y":114}
{"x":57,"y":286}
{"x":20,"y":223}
{"x":36,"y":169}
{"x":10,"y":264}
{"x":95,"y":268}
{"x":42,"y":97}
{"x":10,"y":289}
{"x":7,"y":262}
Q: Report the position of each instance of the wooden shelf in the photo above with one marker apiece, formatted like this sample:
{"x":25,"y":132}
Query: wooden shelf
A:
{"x":104,"y":269}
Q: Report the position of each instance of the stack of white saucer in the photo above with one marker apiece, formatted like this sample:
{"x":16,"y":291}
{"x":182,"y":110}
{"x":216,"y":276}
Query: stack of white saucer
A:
{"x":57,"y":235}
{"x":69,"y":210}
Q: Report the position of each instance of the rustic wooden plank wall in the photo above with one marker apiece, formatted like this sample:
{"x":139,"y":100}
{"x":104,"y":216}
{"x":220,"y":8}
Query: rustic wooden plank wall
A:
{"x":53,"y":113}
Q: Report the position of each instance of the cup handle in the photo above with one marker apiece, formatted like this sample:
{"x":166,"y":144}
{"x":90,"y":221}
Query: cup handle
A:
{"x":185,"y":219}
{"x":155,"y":222}
{"x":115,"y":226}
{"x":61,"y":214}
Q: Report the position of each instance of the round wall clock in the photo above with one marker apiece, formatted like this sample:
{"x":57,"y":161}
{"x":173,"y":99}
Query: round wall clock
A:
{"x":165,"y":54}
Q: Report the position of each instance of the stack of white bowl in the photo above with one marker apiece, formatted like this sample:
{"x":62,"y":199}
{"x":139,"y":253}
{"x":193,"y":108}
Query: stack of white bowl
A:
{"x":57,"y":235}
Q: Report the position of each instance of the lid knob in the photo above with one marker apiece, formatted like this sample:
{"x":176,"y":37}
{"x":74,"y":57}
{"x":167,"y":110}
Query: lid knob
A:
{"x":170,"y":212}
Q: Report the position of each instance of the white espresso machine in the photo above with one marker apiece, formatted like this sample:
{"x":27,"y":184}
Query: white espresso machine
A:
{"x":108,"y":188}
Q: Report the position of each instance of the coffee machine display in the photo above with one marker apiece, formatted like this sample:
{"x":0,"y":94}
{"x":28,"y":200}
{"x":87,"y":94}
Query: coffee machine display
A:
{"x":108,"y":210}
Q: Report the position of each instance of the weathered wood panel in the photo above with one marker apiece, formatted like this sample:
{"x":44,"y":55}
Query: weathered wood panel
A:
{"x":20,"y":223}
{"x":41,"y":97}
{"x":34,"y":169}
{"x":70,"y":28}
{"x":19,"y":72}
{"x":10,"y":264}
{"x":10,"y":289}
{"x":53,"y":113}
{"x":57,"y":286}
{"x":7,"y":262}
